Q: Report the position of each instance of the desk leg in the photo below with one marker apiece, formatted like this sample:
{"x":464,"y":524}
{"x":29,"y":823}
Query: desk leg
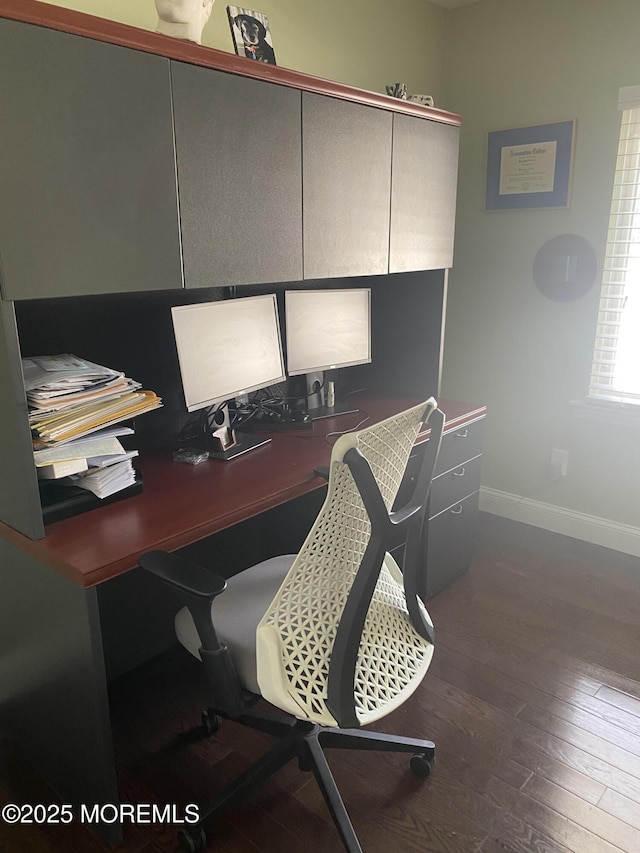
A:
{"x":53,"y":693}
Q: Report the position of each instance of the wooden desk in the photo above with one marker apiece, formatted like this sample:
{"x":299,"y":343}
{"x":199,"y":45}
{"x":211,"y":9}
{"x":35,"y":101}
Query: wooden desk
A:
{"x":52,"y":668}
{"x":181,"y":503}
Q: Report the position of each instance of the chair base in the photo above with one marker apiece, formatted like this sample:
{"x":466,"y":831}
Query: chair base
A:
{"x":306,"y":742}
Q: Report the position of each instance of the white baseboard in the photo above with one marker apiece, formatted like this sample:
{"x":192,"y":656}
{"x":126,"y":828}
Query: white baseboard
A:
{"x":579,"y":525}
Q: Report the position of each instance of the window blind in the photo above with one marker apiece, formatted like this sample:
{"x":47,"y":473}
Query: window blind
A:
{"x":615,"y":373}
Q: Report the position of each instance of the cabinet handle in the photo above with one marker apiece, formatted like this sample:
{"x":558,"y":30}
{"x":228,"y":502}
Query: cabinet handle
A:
{"x":460,"y":473}
{"x":457,"y":510}
{"x":463,"y":433}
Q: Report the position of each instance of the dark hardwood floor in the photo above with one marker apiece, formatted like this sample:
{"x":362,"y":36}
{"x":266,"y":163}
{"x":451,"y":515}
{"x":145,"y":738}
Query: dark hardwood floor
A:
{"x":533,"y":700}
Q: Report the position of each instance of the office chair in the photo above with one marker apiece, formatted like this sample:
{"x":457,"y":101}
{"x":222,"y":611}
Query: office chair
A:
{"x":335,"y":636}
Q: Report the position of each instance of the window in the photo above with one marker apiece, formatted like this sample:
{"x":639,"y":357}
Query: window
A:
{"x":615,"y":373}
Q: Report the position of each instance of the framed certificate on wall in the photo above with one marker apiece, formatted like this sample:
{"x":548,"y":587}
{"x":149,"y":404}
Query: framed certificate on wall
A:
{"x":530,"y":167}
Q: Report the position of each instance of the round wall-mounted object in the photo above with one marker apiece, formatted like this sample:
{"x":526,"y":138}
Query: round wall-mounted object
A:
{"x":565,"y":268}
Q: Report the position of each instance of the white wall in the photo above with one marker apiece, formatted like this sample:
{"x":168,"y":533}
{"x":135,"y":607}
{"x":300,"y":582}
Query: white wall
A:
{"x":511,"y":65}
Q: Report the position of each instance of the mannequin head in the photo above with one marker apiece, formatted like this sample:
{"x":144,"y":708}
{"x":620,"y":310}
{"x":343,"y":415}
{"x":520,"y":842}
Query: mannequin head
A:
{"x":183,"y":19}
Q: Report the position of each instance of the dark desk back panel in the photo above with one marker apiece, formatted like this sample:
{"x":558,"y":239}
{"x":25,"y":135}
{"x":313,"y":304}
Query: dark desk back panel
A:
{"x":128,"y":332}
{"x":408,"y":325}
{"x":134,"y":333}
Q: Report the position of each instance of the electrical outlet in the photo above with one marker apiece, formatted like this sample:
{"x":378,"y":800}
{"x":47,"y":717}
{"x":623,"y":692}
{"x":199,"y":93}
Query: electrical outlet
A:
{"x":559,"y":463}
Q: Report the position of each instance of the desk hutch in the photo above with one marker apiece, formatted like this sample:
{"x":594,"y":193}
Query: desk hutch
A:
{"x":140,"y":172}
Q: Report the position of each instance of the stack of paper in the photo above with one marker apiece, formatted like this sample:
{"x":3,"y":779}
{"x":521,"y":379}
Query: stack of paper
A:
{"x":73,"y":407}
{"x":70,"y":397}
{"x":107,"y":480}
{"x":98,"y":451}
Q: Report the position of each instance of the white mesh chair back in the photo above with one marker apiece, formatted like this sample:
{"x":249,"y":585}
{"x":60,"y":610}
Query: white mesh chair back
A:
{"x":296,"y":635}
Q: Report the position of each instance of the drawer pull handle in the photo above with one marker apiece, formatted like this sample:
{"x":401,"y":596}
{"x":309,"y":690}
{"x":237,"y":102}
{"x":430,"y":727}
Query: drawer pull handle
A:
{"x":463,"y":433}
{"x":460,"y":473}
{"x":457,"y":510}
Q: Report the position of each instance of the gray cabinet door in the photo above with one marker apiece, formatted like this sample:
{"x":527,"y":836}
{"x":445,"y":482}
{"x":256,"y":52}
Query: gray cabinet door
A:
{"x":19,"y":498}
{"x":240,"y":184}
{"x":346,"y":176}
{"x":87,"y":168}
{"x":423,"y":194}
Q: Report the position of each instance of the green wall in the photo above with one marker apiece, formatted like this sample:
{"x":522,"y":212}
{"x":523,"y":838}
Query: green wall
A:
{"x":365,"y":43}
{"x":511,"y":65}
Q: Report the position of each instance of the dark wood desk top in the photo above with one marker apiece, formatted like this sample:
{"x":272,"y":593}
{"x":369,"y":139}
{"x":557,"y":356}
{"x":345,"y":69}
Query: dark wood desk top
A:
{"x":182,"y":504}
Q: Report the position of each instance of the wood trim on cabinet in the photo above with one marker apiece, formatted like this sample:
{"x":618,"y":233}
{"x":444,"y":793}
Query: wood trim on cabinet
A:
{"x":101,"y":29}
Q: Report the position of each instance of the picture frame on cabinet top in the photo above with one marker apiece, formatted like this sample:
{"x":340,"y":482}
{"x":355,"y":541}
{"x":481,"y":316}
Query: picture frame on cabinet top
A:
{"x":251,"y":34}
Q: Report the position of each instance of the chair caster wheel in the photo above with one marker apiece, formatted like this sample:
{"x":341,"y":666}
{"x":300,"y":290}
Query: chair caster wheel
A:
{"x":210,"y":722}
{"x":421,"y":765}
{"x":192,"y":840}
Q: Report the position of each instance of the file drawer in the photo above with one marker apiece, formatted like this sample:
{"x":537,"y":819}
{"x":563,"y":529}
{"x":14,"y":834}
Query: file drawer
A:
{"x":453,"y":505}
{"x":451,"y":543}
{"x":459,"y":445}
{"x":454,"y":485}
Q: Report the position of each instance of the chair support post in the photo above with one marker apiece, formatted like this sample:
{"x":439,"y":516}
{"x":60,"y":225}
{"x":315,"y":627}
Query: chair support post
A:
{"x":224,"y":682}
{"x":413,"y":571}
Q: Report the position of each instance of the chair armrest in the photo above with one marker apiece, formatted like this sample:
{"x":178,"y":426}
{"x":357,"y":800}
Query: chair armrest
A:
{"x":182,"y":574}
{"x":197,"y":587}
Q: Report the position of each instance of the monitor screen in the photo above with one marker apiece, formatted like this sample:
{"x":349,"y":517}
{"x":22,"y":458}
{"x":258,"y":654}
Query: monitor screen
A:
{"x":327,"y":329}
{"x":227,"y":348}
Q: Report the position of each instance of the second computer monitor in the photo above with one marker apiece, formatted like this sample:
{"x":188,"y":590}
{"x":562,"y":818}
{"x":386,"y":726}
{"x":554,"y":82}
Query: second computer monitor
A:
{"x":326,"y":330}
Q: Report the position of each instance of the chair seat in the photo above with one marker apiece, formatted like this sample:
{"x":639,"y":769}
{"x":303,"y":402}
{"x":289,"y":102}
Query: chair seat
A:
{"x":240,"y":609}
{"x":236,"y":615}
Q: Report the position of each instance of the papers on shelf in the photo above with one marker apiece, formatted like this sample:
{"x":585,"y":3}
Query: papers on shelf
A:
{"x":70,"y":397}
{"x":84,"y":454}
{"x":83,"y":420}
{"x":105,"y":481}
{"x":80,"y":449}
{"x":75,"y":406}
{"x":63,"y":373}
{"x":105,"y":461}
{"x":56,"y":470}
{"x":58,"y":400}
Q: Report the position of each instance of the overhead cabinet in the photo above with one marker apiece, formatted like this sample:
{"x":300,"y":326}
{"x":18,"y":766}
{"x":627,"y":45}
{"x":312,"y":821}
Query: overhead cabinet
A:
{"x":87,"y":167}
{"x":346,"y":174}
{"x":379,"y":190}
{"x":238,"y":145}
{"x":423,"y":194}
{"x":126,"y":171}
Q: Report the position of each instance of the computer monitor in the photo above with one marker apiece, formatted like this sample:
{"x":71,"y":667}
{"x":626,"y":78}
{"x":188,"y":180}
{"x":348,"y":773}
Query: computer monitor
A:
{"x":326,"y":330}
{"x":227,"y":349}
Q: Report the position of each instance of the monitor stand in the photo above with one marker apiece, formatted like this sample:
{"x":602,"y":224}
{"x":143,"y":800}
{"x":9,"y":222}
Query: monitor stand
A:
{"x":243,"y":444}
{"x":331,"y":411}
{"x":319,"y":402}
